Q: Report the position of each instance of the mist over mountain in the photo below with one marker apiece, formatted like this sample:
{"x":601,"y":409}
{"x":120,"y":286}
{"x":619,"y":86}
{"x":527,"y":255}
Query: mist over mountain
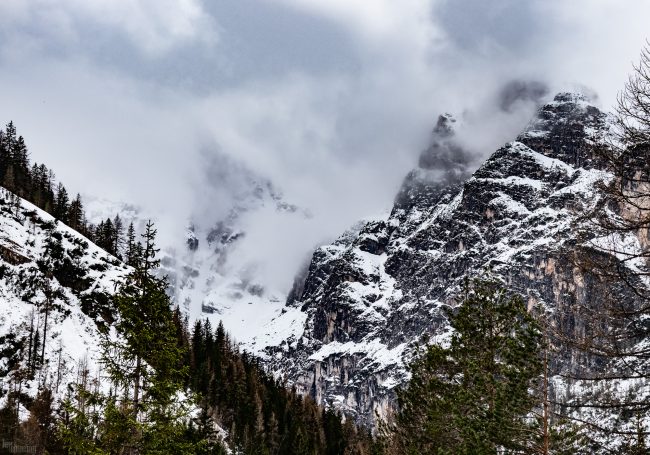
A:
{"x":330,"y":103}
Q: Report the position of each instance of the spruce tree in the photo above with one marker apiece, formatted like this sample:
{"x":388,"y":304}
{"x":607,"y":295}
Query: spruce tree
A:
{"x":4,"y":155}
{"x":130,"y":245}
{"x":61,"y":204}
{"x":117,"y":241}
{"x":146,"y":360}
{"x":473,"y":396}
{"x":76,"y":214}
{"x":9,"y":178}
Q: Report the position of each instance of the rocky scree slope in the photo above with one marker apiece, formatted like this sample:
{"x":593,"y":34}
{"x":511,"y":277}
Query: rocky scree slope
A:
{"x":371,"y":296}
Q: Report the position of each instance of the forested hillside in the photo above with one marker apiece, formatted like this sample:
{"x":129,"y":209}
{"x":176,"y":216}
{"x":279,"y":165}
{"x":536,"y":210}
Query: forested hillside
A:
{"x":37,"y":184}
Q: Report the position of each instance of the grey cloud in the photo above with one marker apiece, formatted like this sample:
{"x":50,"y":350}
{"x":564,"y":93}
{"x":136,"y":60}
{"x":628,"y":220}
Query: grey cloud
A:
{"x":479,"y":26}
{"x":521,"y":91}
{"x":331,"y":102}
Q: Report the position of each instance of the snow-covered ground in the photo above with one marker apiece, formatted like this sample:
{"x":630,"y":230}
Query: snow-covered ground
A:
{"x":73,"y":337}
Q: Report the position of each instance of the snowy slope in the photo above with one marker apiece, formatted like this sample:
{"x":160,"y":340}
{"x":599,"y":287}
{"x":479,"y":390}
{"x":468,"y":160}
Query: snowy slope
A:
{"x":346,"y":330}
{"x":77,"y":314}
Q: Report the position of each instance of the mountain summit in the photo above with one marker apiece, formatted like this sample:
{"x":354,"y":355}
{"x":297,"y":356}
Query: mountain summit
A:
{"x":373,"y":295}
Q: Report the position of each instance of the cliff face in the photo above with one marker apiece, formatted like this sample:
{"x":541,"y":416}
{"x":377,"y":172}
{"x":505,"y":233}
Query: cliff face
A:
{"x":372,"y":295}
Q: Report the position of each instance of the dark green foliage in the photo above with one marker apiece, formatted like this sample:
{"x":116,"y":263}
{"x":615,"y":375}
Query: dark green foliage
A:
{"x":36,"y":184}
{"x":260,"y":413}
{"x":131,"y":246}
{"x":61,"y":204}
{"x":11,"y":351}
{"x":473,"y":397}
{"x":64,"y":264}
{"x":9,"y":422}
{"x":15,"y":173}
{"x":147,"y":362}
{"x":75,"y":214}
{"x":109,"y":235}
{"x":99,"y":306}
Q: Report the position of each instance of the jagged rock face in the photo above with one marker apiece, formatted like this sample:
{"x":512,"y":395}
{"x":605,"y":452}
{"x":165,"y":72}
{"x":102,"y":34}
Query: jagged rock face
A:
{"x":372,"y":295}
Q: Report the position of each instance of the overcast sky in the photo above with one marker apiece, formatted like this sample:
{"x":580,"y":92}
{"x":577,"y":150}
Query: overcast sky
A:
{"x":330,"y":99}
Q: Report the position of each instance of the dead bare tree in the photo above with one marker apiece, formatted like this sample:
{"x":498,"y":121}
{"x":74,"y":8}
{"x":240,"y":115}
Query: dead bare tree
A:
{"x":615,"y":255}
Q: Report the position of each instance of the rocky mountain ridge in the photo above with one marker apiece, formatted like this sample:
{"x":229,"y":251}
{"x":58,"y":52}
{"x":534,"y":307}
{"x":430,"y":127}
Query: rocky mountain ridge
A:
{"x":372,"y":296}
{"x":357,"y":314}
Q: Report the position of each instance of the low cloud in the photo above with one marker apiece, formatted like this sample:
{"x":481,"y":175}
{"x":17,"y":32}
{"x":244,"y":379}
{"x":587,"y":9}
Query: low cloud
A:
{"x":332,"y":101}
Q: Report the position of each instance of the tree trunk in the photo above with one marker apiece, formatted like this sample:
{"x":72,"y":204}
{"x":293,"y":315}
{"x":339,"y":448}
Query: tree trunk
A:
{"x":48,"y":297}
{"x":136,"y":400}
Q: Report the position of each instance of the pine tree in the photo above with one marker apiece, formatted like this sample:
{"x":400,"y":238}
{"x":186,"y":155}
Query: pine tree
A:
{"x":21,"y":167}
{"x":106,"y":236}
{"x":473,"y":396}
{"x":130,"y":245}
{"x":147,"y":361}
{"x":4,"y":155}
{"x":36,"y":183}
{"x":118,"y":236}
{"x":9,"y":181}
{"x":76,"y":214}
{"x":61,"y":204}
{"x":10,"y":134}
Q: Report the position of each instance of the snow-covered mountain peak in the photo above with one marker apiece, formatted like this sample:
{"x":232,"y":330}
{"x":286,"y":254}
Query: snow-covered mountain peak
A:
{"x":567,"y":128}
{"x":369,"y":298}
{"x":572,"y":98}
{"x":223,"y":265}
{"x":445,"y":125}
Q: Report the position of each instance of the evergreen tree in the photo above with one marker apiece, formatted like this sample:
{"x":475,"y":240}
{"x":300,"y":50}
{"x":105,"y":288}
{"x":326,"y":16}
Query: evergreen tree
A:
{"x":61,"y":204}
{"x":10,"y":135}
{"x":20,"y":157}
{"x":146,"y":361}
{"x":130,"y":245}
{"x":117,"y":240}
{"x":36,"y":183}
{"x":9,"y":178}
{"x":4,"y":155}
{"x":473,"y":396}
{"x":106,"y":236}
{"x":76,"y":214}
